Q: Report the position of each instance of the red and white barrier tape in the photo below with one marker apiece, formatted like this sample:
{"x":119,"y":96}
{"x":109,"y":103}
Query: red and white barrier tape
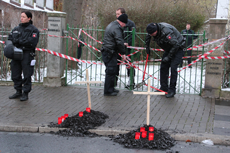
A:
{"x":74,"y":59}
{"x":194,"y":47}
{"x":203,"y":56}
{"x":218,"y":57}
{"x":2,"y":42}
{"x":44,"y":29}
{"x":3,"y":36}
{"x":58,"y":36}
{"x":91,"y":37}
{"x":208,"y":43}
{"x":76,"y":40}
{"x":136,"y":67}
{"x":66,"y":56}
{"x":132,"y":46}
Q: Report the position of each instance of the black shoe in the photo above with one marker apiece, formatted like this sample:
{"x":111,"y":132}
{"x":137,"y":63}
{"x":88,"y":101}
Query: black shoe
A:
{"x":190,"y":66}
{"x":24,"y":96}
{"x":115,"y":90}
{"x":170,"y":94}
{"x":110,"y":94}
{"x":16,"y":95}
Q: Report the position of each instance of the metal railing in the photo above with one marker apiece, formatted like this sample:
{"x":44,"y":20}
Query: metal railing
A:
{"x":189,"y":81}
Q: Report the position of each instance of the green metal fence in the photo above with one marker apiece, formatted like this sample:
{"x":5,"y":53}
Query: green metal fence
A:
{"x":189,"y":81}
{"x":40,"y":66}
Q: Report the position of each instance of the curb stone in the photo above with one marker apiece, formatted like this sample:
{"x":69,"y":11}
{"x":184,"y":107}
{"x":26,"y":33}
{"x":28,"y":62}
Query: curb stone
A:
{"x":12,"y":128}
{"x":197,"y":138}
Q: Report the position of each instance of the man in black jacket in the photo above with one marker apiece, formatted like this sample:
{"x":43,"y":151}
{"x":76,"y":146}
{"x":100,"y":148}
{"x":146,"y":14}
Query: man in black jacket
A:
{"x":190,"y":36}
{"x":128,"y":41}
{"x":169,"y":39}
{"x":24,"y":37}
{"x":113,"y":43}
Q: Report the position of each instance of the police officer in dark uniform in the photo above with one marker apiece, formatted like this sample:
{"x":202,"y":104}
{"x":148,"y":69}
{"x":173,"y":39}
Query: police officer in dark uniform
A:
{"x":173,"y":43}
{"x":189,"y":35}
{"x":113,"y":43}
{"x":24,"y":37}
{"x":128,"y":41}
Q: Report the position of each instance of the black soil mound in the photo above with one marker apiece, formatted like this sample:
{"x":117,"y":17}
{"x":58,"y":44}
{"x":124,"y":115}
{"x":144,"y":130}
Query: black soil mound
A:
{"x":79,"y":126}
{"x":161,"y":141}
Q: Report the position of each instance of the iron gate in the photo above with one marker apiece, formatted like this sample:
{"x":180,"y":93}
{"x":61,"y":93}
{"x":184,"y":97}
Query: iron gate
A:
{"x":190,"y":80}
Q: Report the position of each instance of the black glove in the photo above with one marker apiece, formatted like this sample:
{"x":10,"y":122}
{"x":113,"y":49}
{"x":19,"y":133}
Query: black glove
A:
{"x":148,"y":50}
{"x":166,"y":59}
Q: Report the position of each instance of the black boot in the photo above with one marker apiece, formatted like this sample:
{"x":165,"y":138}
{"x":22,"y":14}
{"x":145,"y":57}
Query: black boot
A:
{"x":170,"y":94}
{"x":24,"y":96}
{"x":16,"y":95}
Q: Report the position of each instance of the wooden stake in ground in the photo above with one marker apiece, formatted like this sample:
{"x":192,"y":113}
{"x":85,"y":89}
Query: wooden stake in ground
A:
{"x":88,"y":87}
{"x":148,"y":98}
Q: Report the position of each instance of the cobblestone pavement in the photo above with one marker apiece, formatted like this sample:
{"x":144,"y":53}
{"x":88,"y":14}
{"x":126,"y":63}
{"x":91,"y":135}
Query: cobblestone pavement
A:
{"x":184,"y":113}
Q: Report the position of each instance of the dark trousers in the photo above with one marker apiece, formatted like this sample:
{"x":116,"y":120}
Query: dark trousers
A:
{"x":79,"y":52}
{"x":110,"y":71}
{"x":189,"y":53}
{"x":164,"y":71}
{"x":22,"y":66}
{"x":127,"y":67}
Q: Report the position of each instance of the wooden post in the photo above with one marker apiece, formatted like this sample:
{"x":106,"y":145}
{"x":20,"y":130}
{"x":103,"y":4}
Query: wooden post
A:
{"x":88,"y":87}
{"x":148,"y":98}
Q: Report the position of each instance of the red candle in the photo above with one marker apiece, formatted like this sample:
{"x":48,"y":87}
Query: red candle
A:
{"x":62,"y":118}
{"x":59,"y":120}
{"x":66,"y":115}
{"x":80,"y":114}
{"x":144,"y":134}
{"x":151,"y":136}
{"x":142,"y":129}
{"x":137,"y":135}
{"x":151,"y":129}
{"x":88,"y":109}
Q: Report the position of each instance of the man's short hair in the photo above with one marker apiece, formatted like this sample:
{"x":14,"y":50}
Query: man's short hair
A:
{"x":122,"y":10}
{"x":187,"y":23}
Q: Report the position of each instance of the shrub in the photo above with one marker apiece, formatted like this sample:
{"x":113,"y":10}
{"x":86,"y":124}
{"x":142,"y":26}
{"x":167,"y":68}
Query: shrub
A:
{"x":175,"y":12}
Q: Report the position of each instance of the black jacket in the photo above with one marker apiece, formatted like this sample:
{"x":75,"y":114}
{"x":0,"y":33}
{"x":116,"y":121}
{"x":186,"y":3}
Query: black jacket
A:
{"x":127,"y":34}
{"x":168,"y":38}
{"x":25,"y":36}
{"x":113,"y":38}
{"x":189,"y":38}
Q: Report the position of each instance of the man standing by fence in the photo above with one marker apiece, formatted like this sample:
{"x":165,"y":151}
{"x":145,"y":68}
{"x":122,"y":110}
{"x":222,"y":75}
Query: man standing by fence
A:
{"x":189,"y":35}
{"x":113,"y":43}
{"x":128,"y":41}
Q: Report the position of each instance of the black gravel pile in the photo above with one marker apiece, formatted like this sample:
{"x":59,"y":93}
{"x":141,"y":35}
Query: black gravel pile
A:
{"x":79,"y":126}
{"x":162,"y":140}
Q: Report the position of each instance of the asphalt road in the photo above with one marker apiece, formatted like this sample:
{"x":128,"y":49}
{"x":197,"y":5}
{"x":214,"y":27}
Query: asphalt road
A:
{"x":11,"y":142}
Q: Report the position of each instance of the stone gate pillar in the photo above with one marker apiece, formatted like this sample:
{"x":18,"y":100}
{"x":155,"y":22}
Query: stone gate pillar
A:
{"x":214,"y":67}
{"x":55,"y":65}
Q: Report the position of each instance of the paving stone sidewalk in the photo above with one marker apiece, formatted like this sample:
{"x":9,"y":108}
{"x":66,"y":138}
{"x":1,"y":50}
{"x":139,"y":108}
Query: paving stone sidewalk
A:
{"x":183,"y":113}
{"x":184,"y":116}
